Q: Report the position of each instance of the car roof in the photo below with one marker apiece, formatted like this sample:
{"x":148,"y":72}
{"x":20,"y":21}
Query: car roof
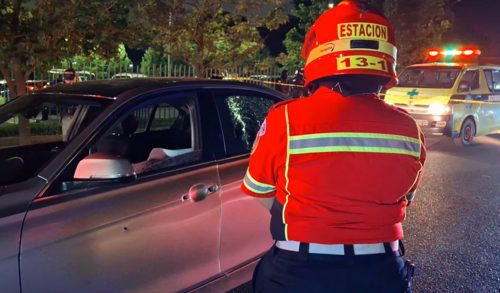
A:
{"x":111,"y":88}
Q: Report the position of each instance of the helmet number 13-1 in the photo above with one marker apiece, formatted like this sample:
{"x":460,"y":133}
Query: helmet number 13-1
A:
{"x":361,"y":62}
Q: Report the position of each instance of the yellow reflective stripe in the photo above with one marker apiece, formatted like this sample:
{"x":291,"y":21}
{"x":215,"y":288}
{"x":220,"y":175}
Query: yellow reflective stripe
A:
{"x":357,"y":135}
{"x":359,"y":149}
{"x":286,"y":168}
{"x":255,"y":186}
{"x":421,"y":166}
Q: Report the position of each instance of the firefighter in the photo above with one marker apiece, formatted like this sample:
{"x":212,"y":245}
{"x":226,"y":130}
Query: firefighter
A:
{"x":337,"y":170}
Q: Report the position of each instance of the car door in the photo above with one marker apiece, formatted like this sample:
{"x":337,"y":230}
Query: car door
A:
{"x":472,"y":92}
{"x":245,"y":223}
{"x":492,"y":99}
{"x":142,"y":236}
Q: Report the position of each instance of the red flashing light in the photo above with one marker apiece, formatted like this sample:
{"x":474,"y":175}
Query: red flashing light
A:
{"x":468,"y":52}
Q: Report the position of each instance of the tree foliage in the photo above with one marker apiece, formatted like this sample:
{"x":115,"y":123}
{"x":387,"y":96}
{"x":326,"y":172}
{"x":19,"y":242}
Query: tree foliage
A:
{"x":152,"y":58}
{"x":121,"y":62}
{"x":78,"y":62}
{"x":102,"y":66}
{"x":307,"y":11}
{"x":32,"y":32}
{"x":418,"y":25}
{"x":204,"y":35}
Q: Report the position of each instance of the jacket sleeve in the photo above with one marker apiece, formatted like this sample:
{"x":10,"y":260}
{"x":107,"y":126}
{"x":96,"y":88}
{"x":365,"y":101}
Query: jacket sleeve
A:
{"x":423,"y":155}
{"x":266,"y":156}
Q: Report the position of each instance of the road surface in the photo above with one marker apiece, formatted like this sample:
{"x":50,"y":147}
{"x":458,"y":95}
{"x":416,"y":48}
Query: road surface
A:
{"x":452,"y":230}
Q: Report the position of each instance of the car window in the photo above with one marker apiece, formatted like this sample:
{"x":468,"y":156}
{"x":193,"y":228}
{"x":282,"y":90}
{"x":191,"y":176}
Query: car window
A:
{"x":167,"y":144}
{"x":142,"y":116}
{"x":472,"y":77}
{"x":242,"y":115}
{"x":493,"y":79}
{"x":429,"y":77}
{"x":52,"y":119}
{"x":164,"y":118}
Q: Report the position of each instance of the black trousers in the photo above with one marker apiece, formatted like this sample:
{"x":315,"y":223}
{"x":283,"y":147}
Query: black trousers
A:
{"x":281,"y":271}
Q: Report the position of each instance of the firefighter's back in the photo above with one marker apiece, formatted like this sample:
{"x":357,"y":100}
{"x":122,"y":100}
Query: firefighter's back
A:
{"x":353,"y":159}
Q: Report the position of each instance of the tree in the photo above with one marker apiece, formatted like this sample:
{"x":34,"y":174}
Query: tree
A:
{"x":307,"y":11}
{"x":121,"y":62}
{"x":32,"y":32}
{"x":203,"y":35}
{"x":418,"y":25}
{"x":93,"y":63}
{"x":152,"y":58}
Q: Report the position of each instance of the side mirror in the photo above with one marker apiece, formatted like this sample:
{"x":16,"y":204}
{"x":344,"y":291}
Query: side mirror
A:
{"x":464,"y":86}
{"x":101,"y":169}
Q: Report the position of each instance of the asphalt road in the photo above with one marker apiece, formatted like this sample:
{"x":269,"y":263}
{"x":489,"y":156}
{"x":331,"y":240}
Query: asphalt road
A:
{"x":452,"y":230}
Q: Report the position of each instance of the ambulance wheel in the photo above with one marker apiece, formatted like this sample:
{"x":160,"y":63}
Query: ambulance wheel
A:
{"x":467,"y":133}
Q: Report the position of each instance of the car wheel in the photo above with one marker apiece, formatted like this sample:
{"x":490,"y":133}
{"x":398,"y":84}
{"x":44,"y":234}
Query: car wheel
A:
{"x":467,"y":133}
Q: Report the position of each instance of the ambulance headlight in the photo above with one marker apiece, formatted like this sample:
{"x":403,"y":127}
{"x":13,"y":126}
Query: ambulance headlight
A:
{"x":439,"y":109}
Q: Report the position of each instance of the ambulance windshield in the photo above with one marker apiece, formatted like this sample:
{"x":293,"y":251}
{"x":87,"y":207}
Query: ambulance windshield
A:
{"x":429,"y":77}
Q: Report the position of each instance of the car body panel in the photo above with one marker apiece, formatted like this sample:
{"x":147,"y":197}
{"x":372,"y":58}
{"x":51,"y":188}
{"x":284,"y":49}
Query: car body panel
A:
{"x":240,"y":210}
{"x":14,"y":203}
{"x":139,"y":238}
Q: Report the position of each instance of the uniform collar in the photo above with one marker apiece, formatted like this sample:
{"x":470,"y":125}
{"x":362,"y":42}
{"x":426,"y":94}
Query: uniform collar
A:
{"x":324,"y":90}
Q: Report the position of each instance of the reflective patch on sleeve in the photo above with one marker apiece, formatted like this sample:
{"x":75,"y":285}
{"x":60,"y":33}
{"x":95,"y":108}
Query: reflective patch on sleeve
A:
{"x":262,"y":131}
{"x":263,"y":128}
{"x":255,"y":186}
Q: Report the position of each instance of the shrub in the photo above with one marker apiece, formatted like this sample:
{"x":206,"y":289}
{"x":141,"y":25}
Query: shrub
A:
{"x":37,"y":129}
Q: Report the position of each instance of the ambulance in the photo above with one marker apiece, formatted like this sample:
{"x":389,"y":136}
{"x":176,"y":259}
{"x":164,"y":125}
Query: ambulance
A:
{"x":455,"y":93}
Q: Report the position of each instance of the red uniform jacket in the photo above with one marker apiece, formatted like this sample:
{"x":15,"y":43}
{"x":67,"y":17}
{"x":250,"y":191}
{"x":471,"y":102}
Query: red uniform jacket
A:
{"x":341,"y":168}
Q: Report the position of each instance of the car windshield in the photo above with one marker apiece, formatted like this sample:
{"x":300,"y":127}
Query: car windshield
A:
{"x":429,"y":77}
{"x":35,"y":127}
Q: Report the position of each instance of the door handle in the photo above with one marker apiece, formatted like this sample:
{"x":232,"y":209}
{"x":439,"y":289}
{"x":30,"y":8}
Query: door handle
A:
{"x":199,"y":192}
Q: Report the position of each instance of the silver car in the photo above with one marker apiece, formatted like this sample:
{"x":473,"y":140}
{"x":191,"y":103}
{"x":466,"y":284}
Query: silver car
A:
{"x":130,"y":185}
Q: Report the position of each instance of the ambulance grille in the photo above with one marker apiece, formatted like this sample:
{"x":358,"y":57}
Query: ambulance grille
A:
{"x":414,"y":109}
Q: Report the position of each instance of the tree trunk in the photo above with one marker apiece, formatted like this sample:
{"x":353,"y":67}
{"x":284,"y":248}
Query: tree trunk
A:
{"x":201,"y":71}
{"x":24,"y":123}
{"x":20,"y":90}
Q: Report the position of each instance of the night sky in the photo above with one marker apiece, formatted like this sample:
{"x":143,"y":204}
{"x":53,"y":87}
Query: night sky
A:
{"x":480,"y":16}
{"x":483,"y":16}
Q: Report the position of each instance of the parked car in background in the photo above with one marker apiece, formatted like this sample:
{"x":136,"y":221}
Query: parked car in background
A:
{"x":131,"y":185}
{"x":128,"y":75}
